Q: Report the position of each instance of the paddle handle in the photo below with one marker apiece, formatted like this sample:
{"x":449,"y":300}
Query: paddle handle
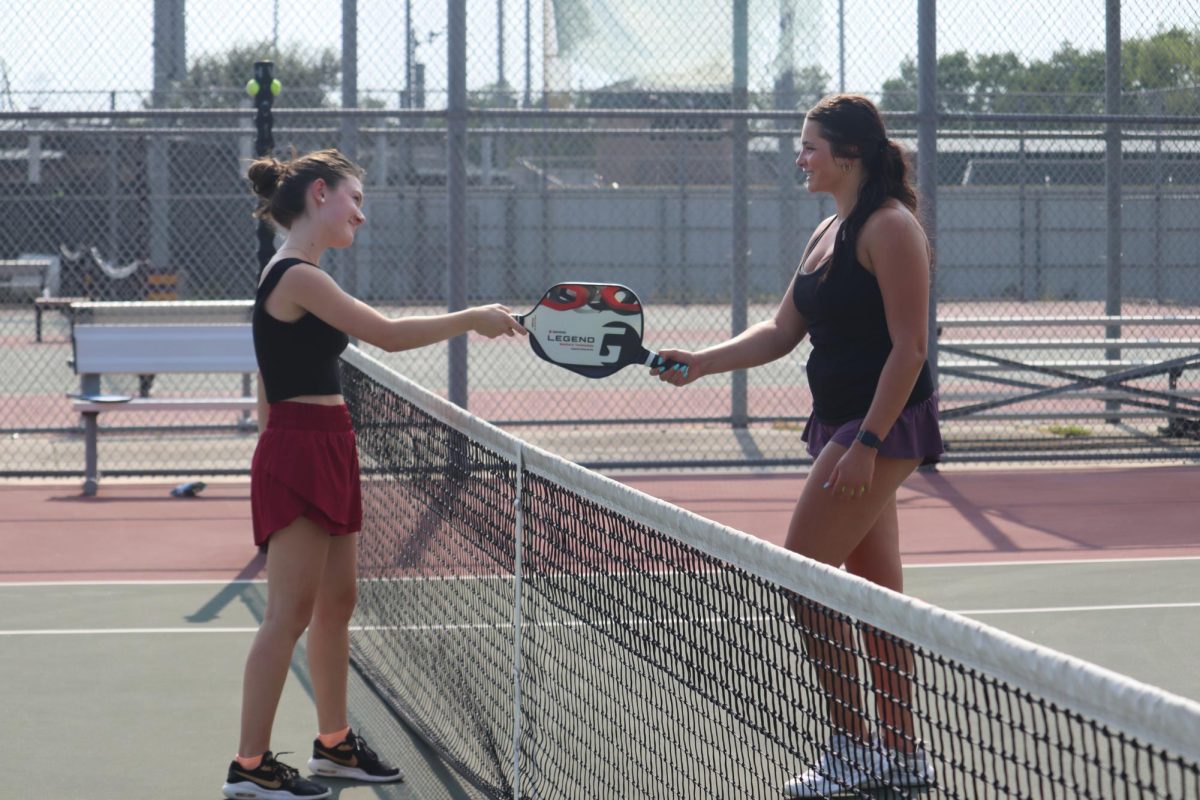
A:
{"x":654,"y":360}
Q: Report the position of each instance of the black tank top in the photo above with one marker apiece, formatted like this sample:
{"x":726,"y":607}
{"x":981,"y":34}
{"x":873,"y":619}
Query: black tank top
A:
{"x":850,"y":339}
{"x":295,"y":358}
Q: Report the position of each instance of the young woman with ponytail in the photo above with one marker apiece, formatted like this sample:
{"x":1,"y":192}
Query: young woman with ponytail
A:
{"x":861,"y":294}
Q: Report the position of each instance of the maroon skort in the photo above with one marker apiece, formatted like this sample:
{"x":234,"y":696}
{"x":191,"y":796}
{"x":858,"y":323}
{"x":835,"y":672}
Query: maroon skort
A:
{"x":306,"y":464}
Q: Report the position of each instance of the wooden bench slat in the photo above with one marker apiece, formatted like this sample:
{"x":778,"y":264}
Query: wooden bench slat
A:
{"x":151,"y":349}
{"x":164,"y":305}
{"x":163,"y":312}
{"x":83,"y":406}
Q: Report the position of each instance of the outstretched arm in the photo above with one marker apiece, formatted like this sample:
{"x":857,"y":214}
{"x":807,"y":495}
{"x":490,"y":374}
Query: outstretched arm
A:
{"x":312,"y":290}
{"x":759,"y":344}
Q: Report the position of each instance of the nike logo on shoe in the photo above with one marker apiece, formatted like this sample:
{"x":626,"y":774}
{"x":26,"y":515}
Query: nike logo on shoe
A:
{"x":266,"y":784}
{"x":352,"y":761}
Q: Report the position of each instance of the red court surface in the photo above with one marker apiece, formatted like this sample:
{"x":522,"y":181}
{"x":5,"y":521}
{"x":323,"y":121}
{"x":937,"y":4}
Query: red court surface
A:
{"x":137,"y":531}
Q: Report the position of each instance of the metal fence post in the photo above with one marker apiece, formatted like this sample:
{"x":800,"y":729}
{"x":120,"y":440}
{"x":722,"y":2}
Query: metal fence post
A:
{"x":785,"y":100}
{"x":1157,"y":257}
{"x":1023,"y":178}
{"x":841,"y":13}
{"x":170,"y":65}
{"x":741,"y":239}
{"x":1112,"y":172}
{"x":927,"y":122}
{"x":456,"y":189}
{"x":348,"y":258}
{"x":527,"y":98}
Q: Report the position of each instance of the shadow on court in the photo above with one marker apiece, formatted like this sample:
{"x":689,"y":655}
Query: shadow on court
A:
{"x":425,"y":775}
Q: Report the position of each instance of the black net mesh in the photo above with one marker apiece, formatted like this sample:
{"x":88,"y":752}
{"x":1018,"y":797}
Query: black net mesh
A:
{"x":563,"y":646}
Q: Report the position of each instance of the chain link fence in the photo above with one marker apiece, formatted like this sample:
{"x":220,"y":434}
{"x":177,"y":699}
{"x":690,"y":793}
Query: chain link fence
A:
{"x":650,"y":144}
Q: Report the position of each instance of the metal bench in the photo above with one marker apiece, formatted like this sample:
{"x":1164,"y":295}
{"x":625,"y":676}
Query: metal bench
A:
{"x":201,"y":312}
{"x":24,"y":275}
{"x":147,"y":350}
{"x":1101,"y":367}
{"x":43,"y":304}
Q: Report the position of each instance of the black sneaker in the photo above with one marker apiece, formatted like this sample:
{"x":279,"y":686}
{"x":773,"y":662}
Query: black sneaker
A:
{"x":271,"y":781}
{"x":352,"y":759}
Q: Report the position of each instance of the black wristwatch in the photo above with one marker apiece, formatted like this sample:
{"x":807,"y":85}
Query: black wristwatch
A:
{"x":869,"y":439}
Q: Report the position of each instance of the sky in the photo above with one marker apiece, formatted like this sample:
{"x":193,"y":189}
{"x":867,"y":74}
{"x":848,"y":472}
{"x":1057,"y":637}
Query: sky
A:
{"x":48,"y":47}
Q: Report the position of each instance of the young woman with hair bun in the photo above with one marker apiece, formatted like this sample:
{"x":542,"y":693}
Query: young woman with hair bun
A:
{"x":304,"y":491}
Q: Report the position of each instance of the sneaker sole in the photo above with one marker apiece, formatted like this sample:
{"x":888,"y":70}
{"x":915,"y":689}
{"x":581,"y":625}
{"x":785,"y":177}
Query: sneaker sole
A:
{"x":252,"y":791}
{"x":907,"y":782}
{"x":825,"y":791}
{"x":913,"y":782}
{"x":329,"y":769}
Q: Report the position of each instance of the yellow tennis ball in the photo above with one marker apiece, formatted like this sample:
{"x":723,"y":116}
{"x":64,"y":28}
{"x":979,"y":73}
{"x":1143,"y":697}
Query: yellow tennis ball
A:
{"x":252,"y":87}
{"x":276,"y":87}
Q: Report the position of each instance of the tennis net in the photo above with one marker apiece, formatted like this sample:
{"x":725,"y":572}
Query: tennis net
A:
{"x":553,"y":633}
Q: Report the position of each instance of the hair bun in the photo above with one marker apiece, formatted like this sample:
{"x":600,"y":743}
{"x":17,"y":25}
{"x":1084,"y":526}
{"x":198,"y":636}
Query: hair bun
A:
{"x":264,"y":175}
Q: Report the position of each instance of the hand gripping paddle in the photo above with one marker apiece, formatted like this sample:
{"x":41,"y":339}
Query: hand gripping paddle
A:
{"x":592,"y":329}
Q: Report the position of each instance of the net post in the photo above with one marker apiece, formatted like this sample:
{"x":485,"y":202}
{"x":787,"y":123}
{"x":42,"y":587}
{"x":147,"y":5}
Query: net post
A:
{"x":518,"y":544}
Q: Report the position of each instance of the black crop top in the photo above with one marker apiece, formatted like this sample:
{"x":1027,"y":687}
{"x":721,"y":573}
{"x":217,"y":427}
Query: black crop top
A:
{"x":295,"y":358}
{"x":850,"y":340}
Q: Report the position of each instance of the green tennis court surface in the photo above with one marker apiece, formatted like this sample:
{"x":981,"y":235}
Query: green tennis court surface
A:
{"x":578,"y":648}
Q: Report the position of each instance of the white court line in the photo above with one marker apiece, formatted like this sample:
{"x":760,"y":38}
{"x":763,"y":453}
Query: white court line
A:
{"x":186,"y":582}
{"x":978,"y":612}
{"x":262,"y":581}
{"x":983,"y":612}
{"x":214,"y":629}
{"x":116,"y":631}
{"x":1051,"y":561}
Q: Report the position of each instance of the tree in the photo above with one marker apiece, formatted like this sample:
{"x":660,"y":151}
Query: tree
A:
{"x":812,"y":84}
{"x":1069,"y":82}
{"x":1162,"y":73}
{"x":1159,"y":74}
{"x":310,"y":78}
{"x":900,"y":93}
{"x":493,"y":95}
{"x":992,"y":75}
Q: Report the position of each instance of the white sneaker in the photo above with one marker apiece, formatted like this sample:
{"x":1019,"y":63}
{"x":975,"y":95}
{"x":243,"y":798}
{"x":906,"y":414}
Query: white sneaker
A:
{"x":901,"y":769}
{"x":846,"y":764}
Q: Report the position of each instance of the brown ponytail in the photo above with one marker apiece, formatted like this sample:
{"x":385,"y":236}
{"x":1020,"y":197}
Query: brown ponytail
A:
{"x":852,"y":125}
